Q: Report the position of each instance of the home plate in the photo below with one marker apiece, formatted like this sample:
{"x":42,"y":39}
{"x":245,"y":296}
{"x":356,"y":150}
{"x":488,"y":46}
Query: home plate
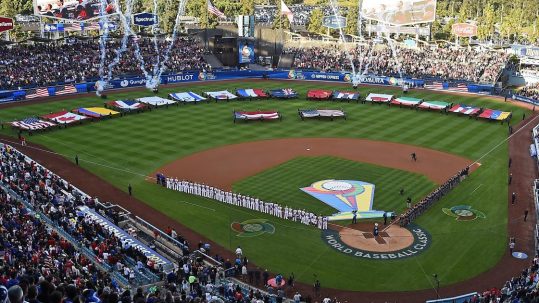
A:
{"x":308,"y":149}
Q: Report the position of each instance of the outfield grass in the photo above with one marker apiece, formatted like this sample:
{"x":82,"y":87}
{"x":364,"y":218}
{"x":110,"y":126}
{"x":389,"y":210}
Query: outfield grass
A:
{"x":282,"y":183}
{"x":124,"y":150}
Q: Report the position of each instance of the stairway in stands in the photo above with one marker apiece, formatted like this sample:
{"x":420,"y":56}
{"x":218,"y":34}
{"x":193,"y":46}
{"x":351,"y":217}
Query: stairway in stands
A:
{"x":286,"y":61}
{"x":212,"y":60}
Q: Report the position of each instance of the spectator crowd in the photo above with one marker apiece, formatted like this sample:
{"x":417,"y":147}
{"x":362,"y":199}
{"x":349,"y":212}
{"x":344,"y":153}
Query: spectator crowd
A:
{"x":44,"y":64}
{"x":530,"y":91}
{"x":52,"y":252}
{"x":302,"y":13}
{"x":426,"y":62}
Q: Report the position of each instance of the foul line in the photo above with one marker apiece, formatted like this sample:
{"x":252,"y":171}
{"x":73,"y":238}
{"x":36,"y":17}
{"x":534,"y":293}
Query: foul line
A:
{"x":197,"y":205}
{"x":503,"y":141}
{"x":476,"y":189}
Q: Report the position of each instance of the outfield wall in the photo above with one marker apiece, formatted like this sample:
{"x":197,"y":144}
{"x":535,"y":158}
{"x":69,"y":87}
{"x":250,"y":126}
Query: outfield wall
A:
{"x":292,"y":74}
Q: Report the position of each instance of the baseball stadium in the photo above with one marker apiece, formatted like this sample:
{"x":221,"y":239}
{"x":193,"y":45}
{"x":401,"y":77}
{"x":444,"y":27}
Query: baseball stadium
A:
{"x":262,"y":151}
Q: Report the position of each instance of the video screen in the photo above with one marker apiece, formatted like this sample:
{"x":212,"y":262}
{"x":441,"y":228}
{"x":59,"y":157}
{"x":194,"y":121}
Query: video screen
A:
{"x":399,"y":12}
{"x":79,"y":10}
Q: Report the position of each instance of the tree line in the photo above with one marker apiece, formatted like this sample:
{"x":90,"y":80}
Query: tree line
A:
{"x":508,"y":20}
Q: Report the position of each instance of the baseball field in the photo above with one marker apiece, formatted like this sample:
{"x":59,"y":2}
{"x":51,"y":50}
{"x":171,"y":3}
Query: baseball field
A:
{"x":131,"y":149}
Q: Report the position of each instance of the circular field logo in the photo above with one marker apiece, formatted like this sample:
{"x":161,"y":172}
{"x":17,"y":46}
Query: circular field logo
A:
{"x":464,"y":213}
{"x":252,"y":228}
{"x":393,"y":243}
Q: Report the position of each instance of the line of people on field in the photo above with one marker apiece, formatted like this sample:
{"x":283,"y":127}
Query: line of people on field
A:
{"x":256,"y":204}
{"x":419,"y":208}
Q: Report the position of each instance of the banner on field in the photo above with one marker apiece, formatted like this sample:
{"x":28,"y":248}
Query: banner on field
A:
{"x":6,"y":24}
{"x":145,"y":19}
{"x":124,"y":236}
{"x":246,"y":51}
{"x":73,"y":9}
{"x":464,"y":30}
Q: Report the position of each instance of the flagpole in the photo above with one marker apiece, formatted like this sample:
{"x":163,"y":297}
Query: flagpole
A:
{"x":281,"y":26}
{"x":206,"y":29}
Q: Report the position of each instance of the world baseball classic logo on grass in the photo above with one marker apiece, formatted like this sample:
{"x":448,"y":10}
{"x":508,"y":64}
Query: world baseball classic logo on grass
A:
{"x":252,"y":228}
{"x":464,"y":213}
{"x":346,"y":196}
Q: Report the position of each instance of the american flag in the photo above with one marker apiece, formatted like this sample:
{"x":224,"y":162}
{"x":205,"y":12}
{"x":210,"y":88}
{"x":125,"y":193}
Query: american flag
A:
{"x":32,"y":124}
{"x":461,"y":87}
{"x":435,"y":86}
{"x":91,"y":26}
{"x":214,"y":10}
{"x":287,"y":12}
{"x":73,"y":27}
{"x":65,"y":89}
{"x":37,"y":93}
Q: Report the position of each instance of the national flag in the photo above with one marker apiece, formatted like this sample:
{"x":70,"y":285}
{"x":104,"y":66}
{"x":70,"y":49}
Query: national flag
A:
{"x":286,"y":11}
{"x":460,"y":87}
{"x":313,"y":113}
{"x":257,"y":115}
{"x":214,"y":10}
{"x":251,"y":93}
{"x":92,"y":26}
{"x":37,"y":93}
{"x":95,"y":112}
{"x":187,"y":97}
{"x":435,"y":105}
{"x":464,"y":109}
{"x":221,"y":95}
{"x":379,"y":98}
{"x":64,"y":117}
{"x":156,"y":101}
{"x":319,"y":94}
{"x":406,"y":101}
{"x":32,"y":124}
{"x":65,"y":89}
{"x":345,"y":95}
{"x":73,"y":27}
{"x":309,"y":113}
{"x":435,"y":86}
{"x":486,"y":113}
{"x":502,"y":116}
{"x":126,"y":105}
{"x":284,"y":93}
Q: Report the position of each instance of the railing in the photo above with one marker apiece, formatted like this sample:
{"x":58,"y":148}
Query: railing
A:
{"x":458,"y":299}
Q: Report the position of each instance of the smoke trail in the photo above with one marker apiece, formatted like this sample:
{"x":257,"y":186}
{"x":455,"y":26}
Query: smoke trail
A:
{"x":181,"y":12}
{"x":155,"y":44}
{"x":126,"y":19}
{"x":125,"y":38}
{"x":103,"y":43}
{"x":343,"y":38}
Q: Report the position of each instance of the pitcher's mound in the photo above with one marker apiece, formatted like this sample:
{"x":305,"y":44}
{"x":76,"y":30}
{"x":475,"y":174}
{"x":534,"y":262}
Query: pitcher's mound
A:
{"x":393,"y":238}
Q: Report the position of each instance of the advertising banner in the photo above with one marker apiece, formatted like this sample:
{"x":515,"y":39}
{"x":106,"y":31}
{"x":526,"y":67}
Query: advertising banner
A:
{"x":145,"y":19}
{"x":6,"y":24}
{"x":402,"y":12}
{"x":53,"y":27}
{"x":73,"y":9}
{"x":246,"y":52}
{"x":410,"y":30}
{"x":334,"y":22}
{"x":464,"y":30}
